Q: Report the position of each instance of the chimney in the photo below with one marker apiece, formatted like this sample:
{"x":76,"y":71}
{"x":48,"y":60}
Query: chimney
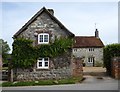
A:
{"x":51,"y":11}
{"x":96,"y":33}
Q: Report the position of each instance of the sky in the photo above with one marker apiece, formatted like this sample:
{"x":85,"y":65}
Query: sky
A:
{"x":78,"y":17}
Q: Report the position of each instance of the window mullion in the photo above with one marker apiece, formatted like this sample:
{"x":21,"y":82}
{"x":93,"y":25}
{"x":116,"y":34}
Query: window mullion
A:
{"x":43,"y":38}
{"x":43,"y":62}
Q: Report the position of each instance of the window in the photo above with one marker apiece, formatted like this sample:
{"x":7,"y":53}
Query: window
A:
{"x":75,"y":50}
{"x":90,"y":59}
{"x":91,"y":49}
{"x":43,"y":63}
{"x":43,"y":38}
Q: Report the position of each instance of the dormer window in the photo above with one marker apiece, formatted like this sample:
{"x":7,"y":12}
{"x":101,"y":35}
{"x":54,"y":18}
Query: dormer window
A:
{"x":43,"y":38}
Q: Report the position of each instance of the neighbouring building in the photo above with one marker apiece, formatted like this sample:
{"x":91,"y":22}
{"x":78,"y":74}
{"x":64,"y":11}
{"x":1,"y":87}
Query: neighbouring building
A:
{"x":90,"y":48}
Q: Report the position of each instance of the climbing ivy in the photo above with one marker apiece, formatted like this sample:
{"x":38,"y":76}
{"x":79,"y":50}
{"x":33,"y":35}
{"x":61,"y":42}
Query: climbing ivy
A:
{"x":22,"y":55}
{"x":25,"y":54}
{"x":52,"y":50}
{"x":110,"y":51}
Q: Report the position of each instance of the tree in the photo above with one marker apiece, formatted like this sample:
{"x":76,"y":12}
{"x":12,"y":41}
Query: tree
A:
{"x":4,"y":50}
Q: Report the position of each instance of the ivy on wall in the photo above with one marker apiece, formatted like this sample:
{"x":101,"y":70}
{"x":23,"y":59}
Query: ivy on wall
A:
{"x":110,"y":51}
{"x":24,"y":55}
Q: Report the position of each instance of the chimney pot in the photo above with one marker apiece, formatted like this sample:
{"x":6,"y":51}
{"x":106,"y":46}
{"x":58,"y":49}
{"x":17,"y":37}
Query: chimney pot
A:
{"x":96,"y":33}
{"x":51,"y":11}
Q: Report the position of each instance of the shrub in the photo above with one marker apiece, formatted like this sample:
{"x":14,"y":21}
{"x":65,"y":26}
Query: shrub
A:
{"x":110,"y":51}
{"x":98,"y":64}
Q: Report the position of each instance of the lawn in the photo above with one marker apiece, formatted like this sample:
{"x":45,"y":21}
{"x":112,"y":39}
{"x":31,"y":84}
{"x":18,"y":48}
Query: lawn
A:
{"x":71,"y":80}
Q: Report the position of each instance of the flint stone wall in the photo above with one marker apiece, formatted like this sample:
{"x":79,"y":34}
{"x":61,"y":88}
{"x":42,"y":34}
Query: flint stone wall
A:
{"x":43,"y":24}
{"x":84,"y":52}
{"x":59,"y":67}
{"x":116,"y":67}
{"x":46,"y":74}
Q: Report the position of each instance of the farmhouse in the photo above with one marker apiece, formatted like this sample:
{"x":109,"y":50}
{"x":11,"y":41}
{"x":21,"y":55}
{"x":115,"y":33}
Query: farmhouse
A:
{"x":90,"y":48}
{"x":43,"y":29}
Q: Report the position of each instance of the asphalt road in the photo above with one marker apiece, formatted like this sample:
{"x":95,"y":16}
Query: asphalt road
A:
{"x":99,"y":86}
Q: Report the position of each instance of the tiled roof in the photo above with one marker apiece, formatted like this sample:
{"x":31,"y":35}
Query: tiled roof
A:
{"x":87,"y":41}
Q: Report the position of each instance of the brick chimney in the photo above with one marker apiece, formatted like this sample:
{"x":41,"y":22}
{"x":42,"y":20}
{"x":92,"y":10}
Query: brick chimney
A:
{"x":96,"y":33}
{"x":51,"y":11}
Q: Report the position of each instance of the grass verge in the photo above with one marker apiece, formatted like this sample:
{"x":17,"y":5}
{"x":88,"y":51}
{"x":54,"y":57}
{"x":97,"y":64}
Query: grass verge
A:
{"x":71,"y":80}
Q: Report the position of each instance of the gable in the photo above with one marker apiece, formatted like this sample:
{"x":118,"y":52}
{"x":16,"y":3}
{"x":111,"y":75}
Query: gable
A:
{"x":90,"y":41}
{"x":36,"y":22}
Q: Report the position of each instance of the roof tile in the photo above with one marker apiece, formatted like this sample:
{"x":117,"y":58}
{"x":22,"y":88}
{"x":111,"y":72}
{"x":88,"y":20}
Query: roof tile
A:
{"x":87,"y":41}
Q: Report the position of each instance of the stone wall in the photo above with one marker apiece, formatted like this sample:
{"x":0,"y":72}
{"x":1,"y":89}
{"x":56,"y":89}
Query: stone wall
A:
{"x":59,"y":67}
{"x":116,"y":67}
{"x":77,"y":67}
{"x":84,"y":52}
{"x":62,"y":66}
{"x":43,"y":24}
{"x":42,"y":75}
{"x":0,"y":61}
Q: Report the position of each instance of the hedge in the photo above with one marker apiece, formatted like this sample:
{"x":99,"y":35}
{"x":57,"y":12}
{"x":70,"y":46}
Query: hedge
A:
{"x":110,"y":51}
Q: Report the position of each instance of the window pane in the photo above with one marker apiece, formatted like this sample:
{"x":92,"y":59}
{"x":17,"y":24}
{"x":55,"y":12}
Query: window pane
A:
{"x":40,"y":64}
{"x":46,"y":64}
{"x":45,"y":38}
{"x":41,"y":38}
{"x":45,"y":59}
{"x":89,"y":49}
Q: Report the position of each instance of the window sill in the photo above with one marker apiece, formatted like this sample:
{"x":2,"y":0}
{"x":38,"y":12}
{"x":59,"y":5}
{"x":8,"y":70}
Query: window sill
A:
{"x":44,"y":43}
{"x":43,"y":69}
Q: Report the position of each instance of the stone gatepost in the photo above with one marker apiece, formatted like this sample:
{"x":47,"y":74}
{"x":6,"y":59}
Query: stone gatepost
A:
{"x":115,"y":67}
{"x":10,"y":70}
{"x":77,"y":67}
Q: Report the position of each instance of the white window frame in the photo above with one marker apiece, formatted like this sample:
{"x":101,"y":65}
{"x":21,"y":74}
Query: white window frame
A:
{"x":43,"y":63}
{"x":91,"y":49}
{"x":75,"y":49}
{"x":91,"y":59}
{"x":43,"y":34}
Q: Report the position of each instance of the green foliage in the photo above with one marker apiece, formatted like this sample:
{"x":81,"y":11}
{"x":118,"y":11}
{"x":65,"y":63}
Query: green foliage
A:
{"x":22,"y":55}
{"x":4,"y":50}
{"x":98,"y":64}
{"x":110,"y":51}
{"x":52,"y":50}
{"x":25,"y":55}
